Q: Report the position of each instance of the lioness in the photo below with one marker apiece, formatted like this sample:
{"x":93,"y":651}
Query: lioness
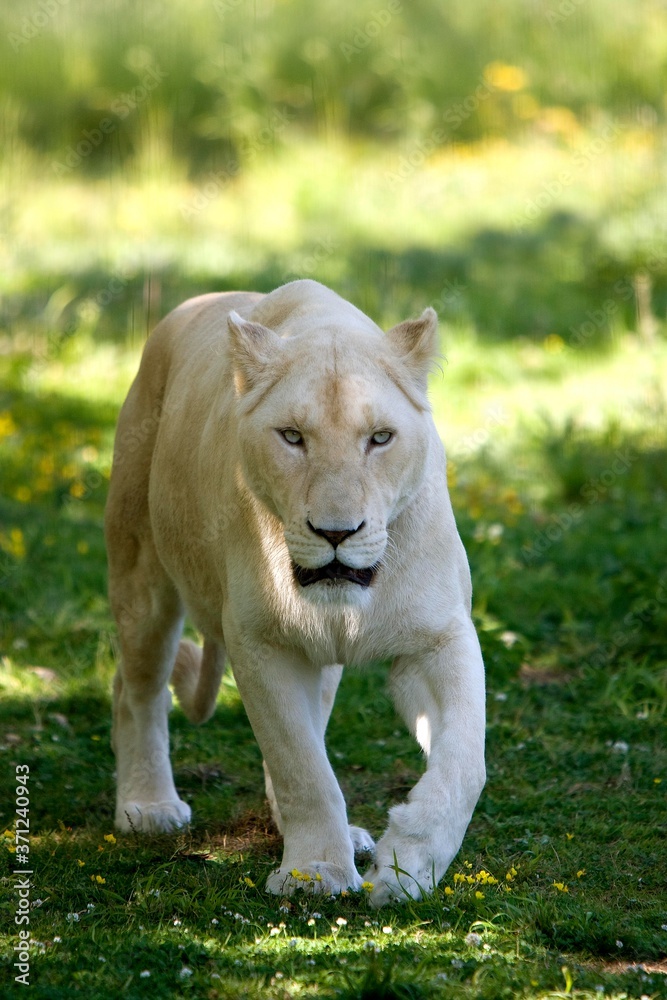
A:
{"x":278,"y":474}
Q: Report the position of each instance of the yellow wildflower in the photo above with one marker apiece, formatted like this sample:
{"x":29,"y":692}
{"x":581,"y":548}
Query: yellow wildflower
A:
{"x":560,"y":886}
{"x":80,"y":863}
{"x":301,"y":876}
{"x":581,"y":872}
{"x":13,"y":543}
{"x":479,"y":895}
{"x":7,"y":425}
{"x":368,"y":886}
{"x":553,"y":344}
{"x":502,"y":76}
{"x":109,"y":837}
{"x":249,"y":882}
{"x":98,"y":879}
{"x":449,"y":891}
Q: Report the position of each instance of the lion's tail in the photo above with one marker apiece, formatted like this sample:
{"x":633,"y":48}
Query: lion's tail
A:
{"x":196,"y":678}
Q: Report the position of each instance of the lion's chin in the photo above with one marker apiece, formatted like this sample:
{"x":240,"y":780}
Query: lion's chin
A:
{"x":334,"y":574}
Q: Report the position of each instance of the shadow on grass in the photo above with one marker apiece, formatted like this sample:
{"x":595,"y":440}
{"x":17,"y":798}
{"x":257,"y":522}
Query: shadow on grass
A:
{"x":557,"y":276}
{"x":571,"y":607}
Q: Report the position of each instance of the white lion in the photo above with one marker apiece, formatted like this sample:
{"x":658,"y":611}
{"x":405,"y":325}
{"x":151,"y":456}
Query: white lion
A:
{"x":278,"y":474}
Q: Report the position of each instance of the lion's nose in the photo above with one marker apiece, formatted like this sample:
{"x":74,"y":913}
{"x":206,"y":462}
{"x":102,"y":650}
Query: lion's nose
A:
{"x":335,"y":537}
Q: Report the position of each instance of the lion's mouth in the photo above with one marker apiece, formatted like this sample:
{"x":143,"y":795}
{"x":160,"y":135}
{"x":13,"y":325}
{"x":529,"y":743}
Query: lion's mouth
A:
{"x":334,"y":570}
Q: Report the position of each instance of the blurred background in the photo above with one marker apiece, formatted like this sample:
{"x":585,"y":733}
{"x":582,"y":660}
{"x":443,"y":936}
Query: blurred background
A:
{"x":501,"y":160}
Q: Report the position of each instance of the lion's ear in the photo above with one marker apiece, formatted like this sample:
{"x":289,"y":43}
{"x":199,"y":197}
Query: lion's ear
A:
{"x":415,"y":341}
{"x":254,"y":349}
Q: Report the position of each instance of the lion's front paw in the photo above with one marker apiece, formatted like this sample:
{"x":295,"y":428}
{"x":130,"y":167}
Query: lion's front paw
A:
{"x":153,"y":817}
{"x":404,"y":868}
{"x":319,"y":877}
{"x":392,"y":884}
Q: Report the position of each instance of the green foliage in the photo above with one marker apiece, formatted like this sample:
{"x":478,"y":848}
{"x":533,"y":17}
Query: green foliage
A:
{"x":561,"y":876}
{"x":204,"y":82}
{"x":151,"y":152}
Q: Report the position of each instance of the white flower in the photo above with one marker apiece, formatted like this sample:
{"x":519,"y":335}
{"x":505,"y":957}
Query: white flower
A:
{"x":144,"y":975}
{"x":473,"y":940}
{"x":387,"y":930}
{"x":341,"y":921}
{"x":185,"y":972}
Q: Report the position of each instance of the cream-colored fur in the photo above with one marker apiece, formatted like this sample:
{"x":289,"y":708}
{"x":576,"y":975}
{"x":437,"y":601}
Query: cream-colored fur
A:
{"x":256,"y":425}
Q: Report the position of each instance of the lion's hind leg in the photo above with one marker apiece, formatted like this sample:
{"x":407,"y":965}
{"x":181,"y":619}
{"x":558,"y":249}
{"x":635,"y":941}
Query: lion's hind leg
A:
{"x":149,"y":615}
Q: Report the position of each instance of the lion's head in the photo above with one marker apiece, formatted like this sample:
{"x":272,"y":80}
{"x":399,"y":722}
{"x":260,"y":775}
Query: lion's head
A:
{"x":333,"y":429}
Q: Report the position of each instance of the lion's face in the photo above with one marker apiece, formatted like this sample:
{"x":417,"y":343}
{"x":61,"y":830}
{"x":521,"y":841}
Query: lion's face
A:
{"x":334,"y":438}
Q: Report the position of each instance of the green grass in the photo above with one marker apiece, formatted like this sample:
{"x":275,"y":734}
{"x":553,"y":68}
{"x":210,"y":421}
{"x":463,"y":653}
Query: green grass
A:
{"x":571,"y":614}
{"x":535,"y":224}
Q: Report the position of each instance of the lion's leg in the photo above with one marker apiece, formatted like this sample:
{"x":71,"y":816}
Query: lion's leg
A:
{"x":441,"y":696}
{"x":288,"y":703}
{"x":362,"y":841}
{"x":149,"y":615}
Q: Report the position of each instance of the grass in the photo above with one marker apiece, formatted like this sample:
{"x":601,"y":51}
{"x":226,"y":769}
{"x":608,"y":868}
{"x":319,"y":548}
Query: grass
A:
{"x":577,"y":765}
{"x":558,"y":473}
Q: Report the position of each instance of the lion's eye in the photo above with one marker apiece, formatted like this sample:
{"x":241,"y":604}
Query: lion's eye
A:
{"x":292,"y":436}
{"x":382,"y":437}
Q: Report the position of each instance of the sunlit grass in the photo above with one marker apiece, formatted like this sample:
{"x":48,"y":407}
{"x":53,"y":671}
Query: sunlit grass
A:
{"x":561,"y":536}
